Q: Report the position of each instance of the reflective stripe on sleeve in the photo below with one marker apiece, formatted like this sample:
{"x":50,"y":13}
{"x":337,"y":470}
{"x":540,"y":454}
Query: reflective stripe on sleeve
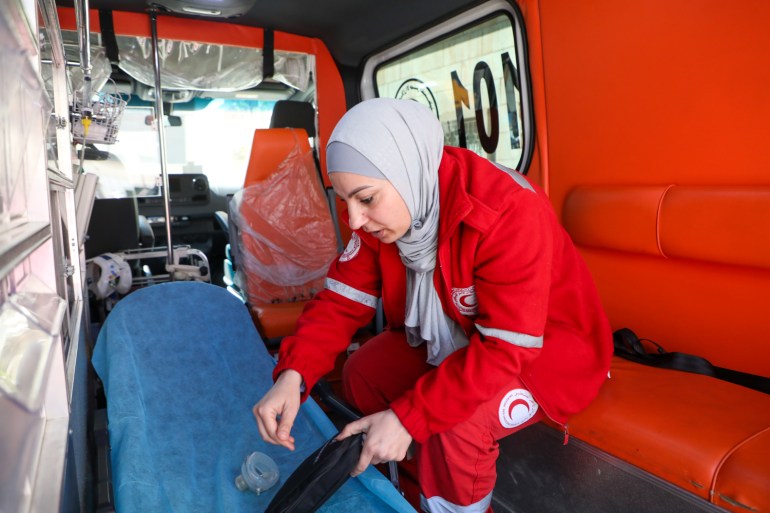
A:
{"x":353,"y":294}
{"x":517,"y":177}
{"x":512,"y":337}
{"x":438,"y":504}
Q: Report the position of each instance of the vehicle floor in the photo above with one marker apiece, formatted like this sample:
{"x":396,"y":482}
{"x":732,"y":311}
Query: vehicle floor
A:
{"x":537,"y":473}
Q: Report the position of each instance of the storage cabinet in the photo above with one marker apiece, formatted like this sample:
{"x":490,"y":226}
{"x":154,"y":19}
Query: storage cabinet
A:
{"x":41,"y":287}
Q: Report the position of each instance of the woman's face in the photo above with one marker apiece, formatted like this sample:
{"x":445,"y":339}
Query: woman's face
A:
{"x":373,"y":205}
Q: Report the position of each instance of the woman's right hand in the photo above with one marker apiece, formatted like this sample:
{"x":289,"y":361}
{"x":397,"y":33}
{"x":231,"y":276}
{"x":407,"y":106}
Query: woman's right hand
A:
{"x":276,"y":411}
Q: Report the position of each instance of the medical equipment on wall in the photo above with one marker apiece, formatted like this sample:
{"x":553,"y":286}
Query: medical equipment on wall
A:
{"x":112,"y":274}
{"x":107,"y":274}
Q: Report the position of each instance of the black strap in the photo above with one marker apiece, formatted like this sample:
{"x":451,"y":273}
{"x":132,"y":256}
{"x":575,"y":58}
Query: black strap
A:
{"x":630,"y":347}
{"x":268,"y":55}
{"x":108,"y":35}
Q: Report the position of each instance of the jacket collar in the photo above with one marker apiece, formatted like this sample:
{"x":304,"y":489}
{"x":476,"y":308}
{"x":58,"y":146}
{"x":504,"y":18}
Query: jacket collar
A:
{"x":457,"y":203}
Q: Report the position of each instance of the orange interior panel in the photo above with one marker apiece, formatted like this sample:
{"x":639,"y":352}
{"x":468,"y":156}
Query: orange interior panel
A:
{"x":651,"y":121}
{"x":634,"y":100}
{"x":655,"y":92}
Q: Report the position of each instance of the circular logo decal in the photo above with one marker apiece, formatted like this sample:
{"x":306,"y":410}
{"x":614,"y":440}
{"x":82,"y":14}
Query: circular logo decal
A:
{"x":352,"y":249}
{"x":417,"y":90}
{"x":465,"y":300}
{"x":517,"y":407}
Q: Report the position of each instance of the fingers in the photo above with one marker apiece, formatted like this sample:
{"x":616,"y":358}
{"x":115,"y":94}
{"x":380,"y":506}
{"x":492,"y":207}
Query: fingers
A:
{"x":266,"y":423}
{"x":353,"y":428}
{"x":374,"y":453}
{"x":276,"y":411}
{"x":364,"y":461}
{"x":273,"y":430}
{"x":386,"y":439}
{"x":264,"y":431}
{"x":284,"y":428}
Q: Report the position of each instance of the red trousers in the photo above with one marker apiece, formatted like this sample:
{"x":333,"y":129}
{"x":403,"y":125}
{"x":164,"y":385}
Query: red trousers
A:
{"x":456,"y":469}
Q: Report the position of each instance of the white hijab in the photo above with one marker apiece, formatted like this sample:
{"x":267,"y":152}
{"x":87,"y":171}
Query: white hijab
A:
{"x":402,"y":141}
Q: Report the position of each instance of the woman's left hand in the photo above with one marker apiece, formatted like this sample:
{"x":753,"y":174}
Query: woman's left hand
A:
{"x":386,"y":439}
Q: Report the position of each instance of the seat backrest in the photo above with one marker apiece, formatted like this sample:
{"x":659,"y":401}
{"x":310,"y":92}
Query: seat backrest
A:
{"x":269,"y":148}
{"x":285,"y":239}
{"x":291,"y":114}
{"x":114,"y":226}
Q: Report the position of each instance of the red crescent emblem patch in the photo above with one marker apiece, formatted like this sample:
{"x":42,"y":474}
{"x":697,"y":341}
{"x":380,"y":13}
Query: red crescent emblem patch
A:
{"x":465,"y":300}
{"x":516,"y":408}
{"x":352,"y":248}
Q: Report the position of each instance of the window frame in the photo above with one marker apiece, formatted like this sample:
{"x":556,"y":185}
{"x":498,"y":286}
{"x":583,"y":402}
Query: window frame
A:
{"x":451,"y":27}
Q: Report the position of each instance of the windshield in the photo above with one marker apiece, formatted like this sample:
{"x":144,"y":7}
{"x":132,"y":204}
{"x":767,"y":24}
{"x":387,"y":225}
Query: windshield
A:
{"x":214,"y":138}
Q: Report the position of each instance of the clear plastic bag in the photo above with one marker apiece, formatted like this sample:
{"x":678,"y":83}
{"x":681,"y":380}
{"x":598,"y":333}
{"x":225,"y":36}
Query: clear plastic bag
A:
{"x":287,"y":240}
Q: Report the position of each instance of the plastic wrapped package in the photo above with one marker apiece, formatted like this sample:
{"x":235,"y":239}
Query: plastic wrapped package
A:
{"x":287,"y":239}
{"x":101,"y":69}
{"x":209,"y":67}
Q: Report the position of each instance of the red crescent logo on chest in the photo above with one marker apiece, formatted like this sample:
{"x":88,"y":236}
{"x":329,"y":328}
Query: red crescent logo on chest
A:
{"x":352,"y":248}
{"x":465,"y":300}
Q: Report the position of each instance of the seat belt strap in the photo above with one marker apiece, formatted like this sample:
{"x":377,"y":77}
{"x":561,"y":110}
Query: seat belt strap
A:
{"x":630,"y":347}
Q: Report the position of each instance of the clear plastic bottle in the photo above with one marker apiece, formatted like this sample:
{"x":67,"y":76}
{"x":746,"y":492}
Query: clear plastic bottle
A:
{"x":258,"y":473}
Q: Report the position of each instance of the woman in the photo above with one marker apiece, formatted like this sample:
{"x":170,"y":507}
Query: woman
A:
{"x":493,"y":320}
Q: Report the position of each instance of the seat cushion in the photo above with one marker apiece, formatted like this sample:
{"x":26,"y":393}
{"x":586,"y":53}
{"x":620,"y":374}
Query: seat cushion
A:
{"x":677,"y":425}
{"x":743,"y":481}
{"x":278,"y":319}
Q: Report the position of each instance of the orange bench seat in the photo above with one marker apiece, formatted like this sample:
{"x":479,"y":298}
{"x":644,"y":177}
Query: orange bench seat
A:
{"x":707,"y":436}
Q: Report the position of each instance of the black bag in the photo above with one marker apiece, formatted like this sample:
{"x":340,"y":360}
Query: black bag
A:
{"x":318,"y":477}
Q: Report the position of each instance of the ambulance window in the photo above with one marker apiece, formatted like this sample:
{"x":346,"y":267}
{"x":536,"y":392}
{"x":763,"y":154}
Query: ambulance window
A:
{"x":472,"y":79}
{"x":214,"y":97}
{"x":131,"y":166}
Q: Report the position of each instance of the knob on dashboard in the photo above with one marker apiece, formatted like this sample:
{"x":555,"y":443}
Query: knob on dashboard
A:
{"x":199,"y":184}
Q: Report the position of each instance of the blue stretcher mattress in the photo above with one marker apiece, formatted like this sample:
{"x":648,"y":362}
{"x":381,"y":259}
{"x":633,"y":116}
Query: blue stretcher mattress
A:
{"x":182,"y":365}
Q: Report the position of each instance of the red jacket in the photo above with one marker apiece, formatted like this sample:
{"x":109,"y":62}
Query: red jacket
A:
{"x":508,"y":273}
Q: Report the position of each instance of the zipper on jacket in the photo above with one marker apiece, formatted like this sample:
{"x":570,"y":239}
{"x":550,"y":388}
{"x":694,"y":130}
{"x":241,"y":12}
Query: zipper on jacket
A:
{"x":565,"y":426}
